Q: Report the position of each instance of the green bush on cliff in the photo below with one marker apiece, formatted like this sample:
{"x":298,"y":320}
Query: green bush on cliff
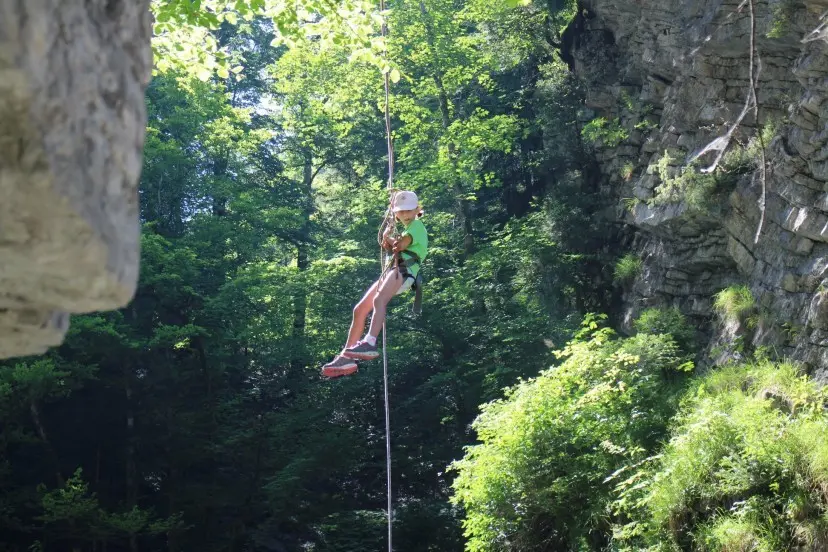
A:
{"x":744,"y":158}
{"x":615,"y":449}
{"x":746,"y":468}
{"x":733,"y":303}
{"x":537,"y":479}
{"x":700,"y":190}
{"x":627,"y":268}
{"x":686,"y":184}
{"x":609,"y":133}
{"x":666,"y":320}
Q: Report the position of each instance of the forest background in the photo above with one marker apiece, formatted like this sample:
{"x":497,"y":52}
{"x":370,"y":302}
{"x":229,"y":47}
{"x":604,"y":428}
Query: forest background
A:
{"x":195,"y":419}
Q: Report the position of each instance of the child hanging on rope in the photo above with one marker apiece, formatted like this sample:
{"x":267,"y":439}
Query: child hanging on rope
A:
{"x":409,"y":251}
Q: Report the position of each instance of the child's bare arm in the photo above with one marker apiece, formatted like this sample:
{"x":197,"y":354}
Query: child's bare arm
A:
{"x":402,"y":244}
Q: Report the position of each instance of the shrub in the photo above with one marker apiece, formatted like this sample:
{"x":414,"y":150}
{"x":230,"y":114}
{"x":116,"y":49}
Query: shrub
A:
{"x":627,"y":268}
{"x":745,"y":468}
{"x":669,"y":321}
{"x":742,"y":159}
{"x":782,"y":21}
{"x":610,"y":133}
{"x":536,"y":481}
{"x":698,"y":189}
{"x":646,"y":125}
{"x":685,"y":184}
{"x":733,"y":303}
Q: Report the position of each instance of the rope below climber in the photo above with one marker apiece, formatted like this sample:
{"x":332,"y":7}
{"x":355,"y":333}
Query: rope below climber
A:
{"x":400,"y":257}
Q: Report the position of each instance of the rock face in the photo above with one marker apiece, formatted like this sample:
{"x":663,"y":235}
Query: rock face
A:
{"x":72,"y":120}
{"x":675,"y":76}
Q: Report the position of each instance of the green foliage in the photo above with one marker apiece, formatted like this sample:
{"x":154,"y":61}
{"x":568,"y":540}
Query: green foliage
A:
{"x":603,"y":132}
{"x":627,"y":268}
{"x":538,"y":478}
{"x":743,"y":469}
{"x":668,"y":321}
{"x":686,"y":184}
{"x":630,"y":203}
{"x":35,"y":380}
{"x":627,"y":171}
{"x":201,"y":401}
{"x":741,"y":159}
{"x":733,"y":303}
{"x":646,"y":125}
{"x":700,"y":190}
{"x":72,"y":503}
{"x":72,"y":512}
{"x":781,"y":21}
{"x":353,"y":532}
{"x":627,"y":100}
{"x":185,"y":33}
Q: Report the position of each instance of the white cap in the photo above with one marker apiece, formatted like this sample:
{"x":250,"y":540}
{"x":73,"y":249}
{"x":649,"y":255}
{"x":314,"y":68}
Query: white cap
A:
{"x":405,"y":201}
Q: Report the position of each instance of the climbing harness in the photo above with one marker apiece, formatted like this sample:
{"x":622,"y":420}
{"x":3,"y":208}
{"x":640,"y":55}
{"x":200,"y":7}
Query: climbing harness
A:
{"x":404,"y":266}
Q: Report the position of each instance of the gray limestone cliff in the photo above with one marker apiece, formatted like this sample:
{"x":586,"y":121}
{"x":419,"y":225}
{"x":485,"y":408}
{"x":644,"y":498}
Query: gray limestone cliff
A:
{"x":669,"y":78}
{"x":72,"y":120}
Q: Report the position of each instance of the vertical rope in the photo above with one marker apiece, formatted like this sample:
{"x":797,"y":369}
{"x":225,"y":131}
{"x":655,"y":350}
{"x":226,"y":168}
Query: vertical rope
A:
{"x":388,"y":139}
{"x":390,"y":146}
{"x":387,"y":437}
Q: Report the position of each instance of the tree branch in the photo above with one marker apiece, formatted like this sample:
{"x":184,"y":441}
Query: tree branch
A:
{"x":721,"y":143}
{"x":753,"y":83}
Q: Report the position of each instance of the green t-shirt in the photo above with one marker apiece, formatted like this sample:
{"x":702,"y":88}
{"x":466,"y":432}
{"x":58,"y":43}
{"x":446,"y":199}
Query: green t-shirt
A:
{"x":419,"y":244}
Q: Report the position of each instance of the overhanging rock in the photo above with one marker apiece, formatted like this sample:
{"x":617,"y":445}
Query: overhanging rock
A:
{"x":72,"y":120}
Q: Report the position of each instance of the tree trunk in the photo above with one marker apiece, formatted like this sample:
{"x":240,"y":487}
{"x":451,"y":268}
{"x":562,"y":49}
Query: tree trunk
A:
{"x":300,"y":297}
{"x":212,"y":430}
{"x":41,"y":432}
{"x":463,"y":206}
{"x":96,"y":487}
{"x":247,"y":516}
{"x":131,"y":479}
{"x":219,"y":207}
{"x":172,"y":482}
{"x":131,"y":491}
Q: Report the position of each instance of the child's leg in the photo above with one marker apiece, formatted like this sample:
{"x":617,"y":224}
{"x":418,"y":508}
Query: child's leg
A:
{"x":389,"y":287}
{"x":361,"y":311}
{"x":340,"y":365}
{"x":367,"y":348}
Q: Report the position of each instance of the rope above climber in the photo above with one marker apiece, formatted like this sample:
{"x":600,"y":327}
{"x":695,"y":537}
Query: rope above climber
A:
{"x":411,"y":245}
{"x":407,"y":251}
